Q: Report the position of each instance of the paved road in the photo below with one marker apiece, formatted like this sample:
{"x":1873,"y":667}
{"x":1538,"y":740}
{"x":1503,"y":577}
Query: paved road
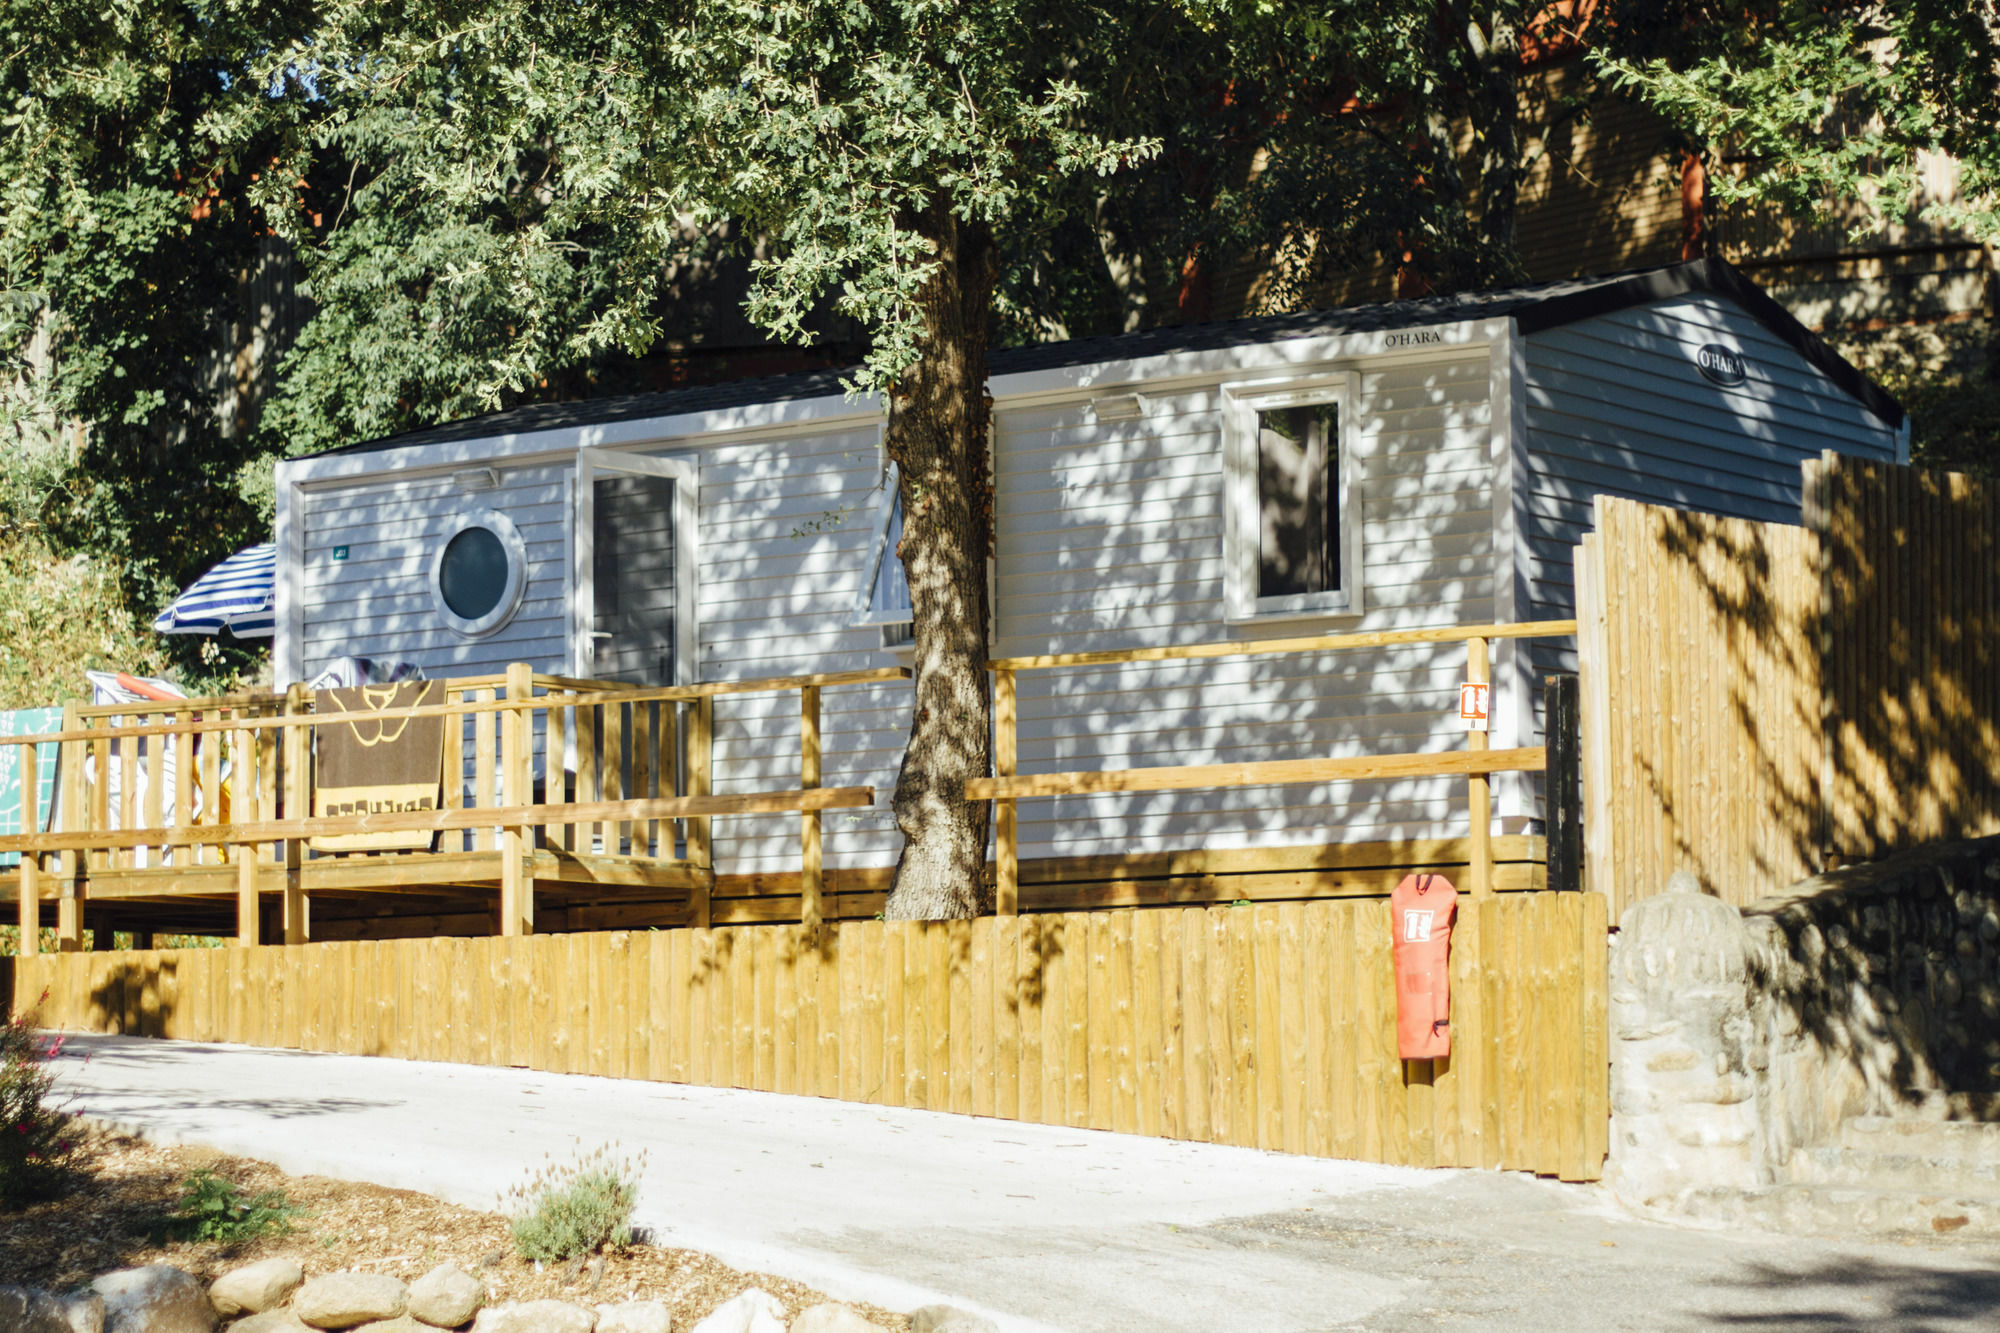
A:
{"x":1041,"y":1228}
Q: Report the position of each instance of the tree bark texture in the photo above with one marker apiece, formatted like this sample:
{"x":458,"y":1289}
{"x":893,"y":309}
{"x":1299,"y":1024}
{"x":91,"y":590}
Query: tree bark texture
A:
{"x":937,"y":436}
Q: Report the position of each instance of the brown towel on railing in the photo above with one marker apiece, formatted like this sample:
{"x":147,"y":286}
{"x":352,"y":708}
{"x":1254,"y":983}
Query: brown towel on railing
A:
{"x":374,"y":766}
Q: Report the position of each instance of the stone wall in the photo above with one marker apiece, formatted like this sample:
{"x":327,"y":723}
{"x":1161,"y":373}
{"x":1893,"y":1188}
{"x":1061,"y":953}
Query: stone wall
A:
{"x":1739,"y":1037}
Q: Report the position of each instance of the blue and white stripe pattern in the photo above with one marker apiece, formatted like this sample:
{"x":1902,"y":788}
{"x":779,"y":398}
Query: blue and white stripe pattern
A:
{"x":237,"y":595}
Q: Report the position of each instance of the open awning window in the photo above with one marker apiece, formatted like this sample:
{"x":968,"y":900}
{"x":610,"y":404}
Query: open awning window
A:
{"x":885,"y":597}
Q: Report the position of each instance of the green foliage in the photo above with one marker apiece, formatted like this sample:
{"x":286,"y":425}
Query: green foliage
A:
{"x":1835,"y":109}
{"x":41,"y":1154}
{"x":823,"y":128}
{"x":63,"y":615}
{"x":214,"y":1208}
{"x":135,"y":187}
{"x":561,"y":1212}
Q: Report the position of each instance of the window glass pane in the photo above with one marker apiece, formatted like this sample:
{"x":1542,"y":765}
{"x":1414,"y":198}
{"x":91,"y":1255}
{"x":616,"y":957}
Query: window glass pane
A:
{"x":1298,"y":501}
{"x":473,"y":574}
{"x":891,"y":592}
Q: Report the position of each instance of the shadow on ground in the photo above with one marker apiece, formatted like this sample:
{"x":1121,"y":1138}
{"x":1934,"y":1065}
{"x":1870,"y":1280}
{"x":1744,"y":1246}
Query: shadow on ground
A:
{"x":1856,"y":1292}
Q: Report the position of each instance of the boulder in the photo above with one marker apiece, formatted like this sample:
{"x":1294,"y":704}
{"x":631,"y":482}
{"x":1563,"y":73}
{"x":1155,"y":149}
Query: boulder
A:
{"x":158,"y":1298}
{"x":949,"y":1319}
{"x":348,"y":1300}
{"x":635,"y":1317}
{"x":535,"y":1317}
{"x":30,"y":1311}
{"x":446,"y":1297}
{"x":402,"y":1323}
{"x":755,"y":1311}
{"x":833,"y":1317}
{"x":254,"y":1288}
{"x":271,"y":1321}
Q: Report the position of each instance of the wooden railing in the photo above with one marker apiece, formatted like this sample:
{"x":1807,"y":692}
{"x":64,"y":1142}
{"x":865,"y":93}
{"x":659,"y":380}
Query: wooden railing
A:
{"x":1477,"y":763}
{"x":624,"y":774}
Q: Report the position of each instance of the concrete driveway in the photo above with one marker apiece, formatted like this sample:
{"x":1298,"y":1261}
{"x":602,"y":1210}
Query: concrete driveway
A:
{"x":1040,"y":1228}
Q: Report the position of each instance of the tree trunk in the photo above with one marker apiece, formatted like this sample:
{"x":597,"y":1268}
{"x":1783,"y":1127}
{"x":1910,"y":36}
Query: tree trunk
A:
{"x":937,"y":435}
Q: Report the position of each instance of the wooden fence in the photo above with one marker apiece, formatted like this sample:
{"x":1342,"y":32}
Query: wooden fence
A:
{"x":1270,"y":1026}
{"x":1763,"y":701}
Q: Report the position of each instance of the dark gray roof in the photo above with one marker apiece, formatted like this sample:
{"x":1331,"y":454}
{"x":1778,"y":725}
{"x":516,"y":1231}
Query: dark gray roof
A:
{"x":1535,"y":308}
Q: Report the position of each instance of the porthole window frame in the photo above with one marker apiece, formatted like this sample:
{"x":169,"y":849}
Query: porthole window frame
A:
{"x":516,"y":551}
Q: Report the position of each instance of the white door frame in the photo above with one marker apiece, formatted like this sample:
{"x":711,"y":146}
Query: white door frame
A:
{"x":686,"y":477}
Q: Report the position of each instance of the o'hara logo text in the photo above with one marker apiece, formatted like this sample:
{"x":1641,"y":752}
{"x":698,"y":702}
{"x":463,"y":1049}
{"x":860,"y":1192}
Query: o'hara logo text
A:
{"x":1719,"y":365}
{"x":1414,"y":338}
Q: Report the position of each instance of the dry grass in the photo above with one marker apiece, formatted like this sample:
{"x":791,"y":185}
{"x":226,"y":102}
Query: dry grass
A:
{"x":64,"y":1244}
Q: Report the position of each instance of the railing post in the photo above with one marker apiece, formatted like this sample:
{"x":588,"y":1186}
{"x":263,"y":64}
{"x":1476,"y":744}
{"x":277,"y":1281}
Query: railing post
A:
{"x":701,"y":754}
{"x":517,"y":887}
{"x":298,"y":788}
{"x":1563,"y":785}
{"x":1006,"y":836}
{"x":31,"y":869}
{"x":243,"y":781}
{"x":1479,"y":787}
{"x":75,"y":866}
{"x":809,"y":829}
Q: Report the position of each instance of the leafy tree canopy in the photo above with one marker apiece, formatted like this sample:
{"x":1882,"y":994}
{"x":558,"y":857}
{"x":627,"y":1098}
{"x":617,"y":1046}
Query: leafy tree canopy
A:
{"x":131,"y":195}
{"x":1835,"y":108}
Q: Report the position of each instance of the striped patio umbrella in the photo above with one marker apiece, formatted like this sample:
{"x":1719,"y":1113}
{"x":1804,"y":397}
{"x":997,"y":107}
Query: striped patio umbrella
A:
{"x":237,"y":595}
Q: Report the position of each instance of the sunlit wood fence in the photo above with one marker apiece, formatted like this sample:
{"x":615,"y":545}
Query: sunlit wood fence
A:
{"x":1763,"y":701}
{"x":1271,"y":1026}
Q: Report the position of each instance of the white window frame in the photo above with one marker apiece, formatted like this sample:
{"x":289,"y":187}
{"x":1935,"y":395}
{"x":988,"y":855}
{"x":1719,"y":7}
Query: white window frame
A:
{"x":686,"y":476}
{"x":885,"y":509}
{"x":1242,"y":522}
{"x":503,"y":610}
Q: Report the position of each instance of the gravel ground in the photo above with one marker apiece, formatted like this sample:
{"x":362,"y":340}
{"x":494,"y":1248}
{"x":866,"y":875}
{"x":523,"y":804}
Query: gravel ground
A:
{"x":104,"y":1225}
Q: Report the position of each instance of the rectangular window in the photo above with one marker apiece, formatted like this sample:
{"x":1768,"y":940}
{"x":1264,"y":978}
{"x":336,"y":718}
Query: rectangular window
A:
{"x":1292,"y":506}
{"x":1298,"y":501}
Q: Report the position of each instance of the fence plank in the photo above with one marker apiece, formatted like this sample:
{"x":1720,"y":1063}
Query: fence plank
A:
{"x":1123,"y":1026}
{"x":1017,"y":962}
{"x":1148,"y":1035}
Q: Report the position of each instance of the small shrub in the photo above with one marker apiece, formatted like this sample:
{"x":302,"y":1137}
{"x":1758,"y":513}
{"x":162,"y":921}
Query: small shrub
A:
{"x":41,"y":1153}
{"x":563,"y":1212}
{"x":214,"y":1208}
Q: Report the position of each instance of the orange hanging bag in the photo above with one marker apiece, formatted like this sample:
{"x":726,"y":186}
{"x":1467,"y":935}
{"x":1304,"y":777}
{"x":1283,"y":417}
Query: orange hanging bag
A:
{"x":1421,"y":911}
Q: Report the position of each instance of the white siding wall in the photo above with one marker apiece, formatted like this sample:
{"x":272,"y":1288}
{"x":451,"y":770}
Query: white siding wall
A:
{"x":787,"y":528}
{"x":377,"y":602}
{"x":1110,"y":536}
{"x":1615,"y":406}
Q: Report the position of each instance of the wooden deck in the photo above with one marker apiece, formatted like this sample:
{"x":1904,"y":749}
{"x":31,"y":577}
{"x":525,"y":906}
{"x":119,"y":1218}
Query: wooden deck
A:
{"x":557,"y":796}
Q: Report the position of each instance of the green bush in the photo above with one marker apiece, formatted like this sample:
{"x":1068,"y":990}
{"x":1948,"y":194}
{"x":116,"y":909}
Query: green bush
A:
{"x":562,"y":1212}
{"x":41,"y":1153}
{"x":214,"y":1208}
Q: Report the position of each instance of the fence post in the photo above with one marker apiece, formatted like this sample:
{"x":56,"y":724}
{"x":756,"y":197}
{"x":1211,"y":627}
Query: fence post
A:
{"x":810,"y":907}
{"x":1479,"y":787}
{"x":75,"y":866}
{"x":1564,"y":787}
{"x":1006,"y":833}
{"x":31,"y":870}
{"x":517,"y":887}
{"x":298,"y":787}
{"x":242,"y":784}
{"x":701,"y":753}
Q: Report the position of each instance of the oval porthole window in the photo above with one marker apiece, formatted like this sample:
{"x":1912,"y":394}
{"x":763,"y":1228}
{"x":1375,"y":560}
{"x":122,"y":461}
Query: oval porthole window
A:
{"x":479,"y":573}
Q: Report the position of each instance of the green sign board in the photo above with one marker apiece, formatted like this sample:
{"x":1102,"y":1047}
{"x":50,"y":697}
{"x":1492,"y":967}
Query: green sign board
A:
{"x":26,"y":722}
